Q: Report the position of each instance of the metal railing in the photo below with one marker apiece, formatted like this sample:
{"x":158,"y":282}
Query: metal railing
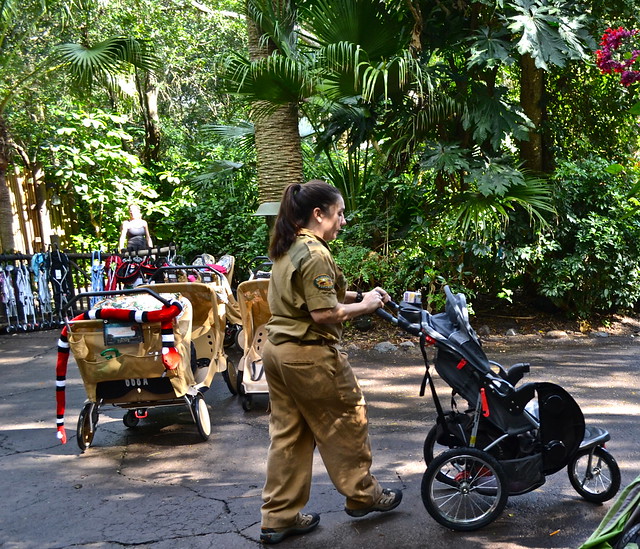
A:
{"x":35,"y":288}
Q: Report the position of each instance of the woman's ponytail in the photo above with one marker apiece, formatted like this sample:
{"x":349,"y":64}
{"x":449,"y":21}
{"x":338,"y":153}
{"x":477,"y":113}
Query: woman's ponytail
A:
{"x":297,"y":205}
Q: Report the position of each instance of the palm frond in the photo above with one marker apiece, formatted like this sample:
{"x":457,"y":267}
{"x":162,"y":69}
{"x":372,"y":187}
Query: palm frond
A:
{"x":112,"y":56}
{"x":485,"y":214}
{"x":8,"y":12}
{"x":242,"y":135}
{"x":377,"y":27}
{"x":276,"y":20}
{"x":275,"y":79}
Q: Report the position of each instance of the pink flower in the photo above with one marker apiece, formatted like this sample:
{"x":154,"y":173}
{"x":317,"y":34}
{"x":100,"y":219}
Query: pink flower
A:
{"x":609,"y":59}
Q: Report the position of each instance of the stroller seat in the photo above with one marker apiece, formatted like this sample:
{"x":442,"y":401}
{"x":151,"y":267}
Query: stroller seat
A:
{"x":255,"y":311}
{"x":208,"y":325}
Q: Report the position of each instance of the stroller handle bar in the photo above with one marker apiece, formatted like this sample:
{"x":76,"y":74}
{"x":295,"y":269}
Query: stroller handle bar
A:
{"x":414,"y":329}
{"x":108,"y":293}
{"x":165,"y":268}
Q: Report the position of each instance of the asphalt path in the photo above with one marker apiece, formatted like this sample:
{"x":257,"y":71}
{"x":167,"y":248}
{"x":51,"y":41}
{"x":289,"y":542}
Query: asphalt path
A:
{"x":160,"y":486}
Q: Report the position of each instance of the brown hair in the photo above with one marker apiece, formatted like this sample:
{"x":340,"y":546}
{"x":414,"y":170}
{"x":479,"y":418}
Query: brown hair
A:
{"x":296,"y":208}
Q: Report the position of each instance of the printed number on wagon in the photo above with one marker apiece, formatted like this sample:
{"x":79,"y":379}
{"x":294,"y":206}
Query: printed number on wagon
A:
{"x":136,"y":382}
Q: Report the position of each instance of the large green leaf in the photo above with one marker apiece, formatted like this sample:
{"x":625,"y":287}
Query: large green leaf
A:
{"x":484,"y":214}
{"x":549,"y":34}
{"x":276,"y":79}
{"x":382,"y":29}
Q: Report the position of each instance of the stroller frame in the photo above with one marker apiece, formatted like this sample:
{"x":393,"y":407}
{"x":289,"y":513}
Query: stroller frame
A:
{"x":510,"y":438}
{"x":131,"y":371}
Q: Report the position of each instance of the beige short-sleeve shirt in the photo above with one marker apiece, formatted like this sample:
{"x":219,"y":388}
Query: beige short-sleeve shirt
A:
{"x":305,"y":279}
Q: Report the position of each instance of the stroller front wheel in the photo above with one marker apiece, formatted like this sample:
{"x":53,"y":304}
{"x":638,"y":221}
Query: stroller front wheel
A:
{"x":594,"y":474}
{"x":130,"y":419}
{"x":201,"y":415}
{"x":464,"y":489}
{"x":87,"y":421}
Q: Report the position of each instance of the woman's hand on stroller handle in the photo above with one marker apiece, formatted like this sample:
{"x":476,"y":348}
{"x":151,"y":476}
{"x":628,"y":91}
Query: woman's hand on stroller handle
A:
{"x":407,"y":326}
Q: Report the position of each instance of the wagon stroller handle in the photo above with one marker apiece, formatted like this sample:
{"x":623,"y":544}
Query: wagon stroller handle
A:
{"x":173,"y":268}
{"x":109,"y":293}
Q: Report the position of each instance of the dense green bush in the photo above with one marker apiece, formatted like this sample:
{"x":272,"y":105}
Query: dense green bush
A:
{"x":590,"y":259}
{"x":222,"y":225}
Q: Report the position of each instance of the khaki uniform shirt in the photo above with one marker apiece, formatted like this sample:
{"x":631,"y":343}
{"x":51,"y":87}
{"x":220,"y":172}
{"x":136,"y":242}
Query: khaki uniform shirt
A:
{"x":305,"y":279}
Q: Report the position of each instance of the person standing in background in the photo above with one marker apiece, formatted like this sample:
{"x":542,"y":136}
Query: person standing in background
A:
{"x":135,"y":232}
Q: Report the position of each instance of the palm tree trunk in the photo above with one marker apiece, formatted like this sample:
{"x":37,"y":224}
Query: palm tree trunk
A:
{"x":277,"y":137}
{"x":279,"y":153}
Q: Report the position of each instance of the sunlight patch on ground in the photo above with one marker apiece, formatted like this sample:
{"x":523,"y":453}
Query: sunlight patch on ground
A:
{"x":613,"y":408}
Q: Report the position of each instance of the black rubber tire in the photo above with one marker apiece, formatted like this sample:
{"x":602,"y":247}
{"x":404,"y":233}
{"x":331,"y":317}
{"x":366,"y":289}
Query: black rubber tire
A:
{"x":130,"y":420}
{"x":247,"y":402}
{"x":239,"y":386}
{"x":477,"y":497}
{"x":598,"y":483}
{"x":230,"y":376}
{"x":431,"y":447}
{"x":201,"y":415}
{"x":86,"y":429}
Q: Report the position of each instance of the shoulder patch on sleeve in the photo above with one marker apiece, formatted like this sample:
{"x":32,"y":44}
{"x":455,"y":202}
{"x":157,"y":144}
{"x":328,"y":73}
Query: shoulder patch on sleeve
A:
{"x":323,"y":282}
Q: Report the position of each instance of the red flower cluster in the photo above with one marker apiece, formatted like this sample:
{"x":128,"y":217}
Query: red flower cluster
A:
{"x":609,"y":60}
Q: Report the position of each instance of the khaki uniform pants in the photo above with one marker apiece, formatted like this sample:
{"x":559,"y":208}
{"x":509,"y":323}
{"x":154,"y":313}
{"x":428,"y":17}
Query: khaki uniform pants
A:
{"x":315,"y":400}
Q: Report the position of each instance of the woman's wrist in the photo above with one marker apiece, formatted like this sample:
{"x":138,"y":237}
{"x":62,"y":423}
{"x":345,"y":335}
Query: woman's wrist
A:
{"x":359,"y":297}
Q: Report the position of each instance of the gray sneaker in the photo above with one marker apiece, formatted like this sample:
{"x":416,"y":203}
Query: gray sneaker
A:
{"x":389,"y":499}
{"x":302,"y":525}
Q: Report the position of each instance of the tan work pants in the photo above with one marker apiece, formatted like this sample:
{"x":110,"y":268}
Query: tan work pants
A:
{"x":315,"y":400}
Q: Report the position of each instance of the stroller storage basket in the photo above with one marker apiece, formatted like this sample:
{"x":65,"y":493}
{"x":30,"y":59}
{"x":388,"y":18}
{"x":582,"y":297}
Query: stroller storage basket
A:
{"x":523,"y":474}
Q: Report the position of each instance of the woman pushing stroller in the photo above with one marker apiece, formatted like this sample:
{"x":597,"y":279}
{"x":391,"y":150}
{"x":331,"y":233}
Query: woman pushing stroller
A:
{"x":315,"y":397}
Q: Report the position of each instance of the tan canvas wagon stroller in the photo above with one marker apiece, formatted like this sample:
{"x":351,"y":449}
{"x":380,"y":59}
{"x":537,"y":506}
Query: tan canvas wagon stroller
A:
{"x":138,"y":349}
{"x":208,"y":337}
{"x":255,"y":312}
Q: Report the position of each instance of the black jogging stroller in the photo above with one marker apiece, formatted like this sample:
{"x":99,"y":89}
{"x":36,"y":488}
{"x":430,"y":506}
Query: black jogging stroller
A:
{"x":511,"y":436}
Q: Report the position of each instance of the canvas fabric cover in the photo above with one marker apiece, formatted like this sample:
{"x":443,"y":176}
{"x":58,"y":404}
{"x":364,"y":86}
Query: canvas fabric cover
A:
{"x":136,"y":360}
{"x":209,"y":313}
{"x":255,"y":311}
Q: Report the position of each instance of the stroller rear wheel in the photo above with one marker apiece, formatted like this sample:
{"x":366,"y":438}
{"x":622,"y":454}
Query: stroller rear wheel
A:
{"x":247,"y":402}
{"x":130,"y":419}
{"x":87,"y":422}
{"x":230,"y":376}
{"x":594,"y":474}
{"x":464,"y":489}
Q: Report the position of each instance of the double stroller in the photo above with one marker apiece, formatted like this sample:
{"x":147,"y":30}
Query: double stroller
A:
{"x":509,"y":438}
{"x":156,"y":345}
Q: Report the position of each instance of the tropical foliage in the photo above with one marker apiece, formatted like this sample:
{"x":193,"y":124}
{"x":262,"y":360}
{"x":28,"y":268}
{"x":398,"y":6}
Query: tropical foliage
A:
{"x":475,"y":142}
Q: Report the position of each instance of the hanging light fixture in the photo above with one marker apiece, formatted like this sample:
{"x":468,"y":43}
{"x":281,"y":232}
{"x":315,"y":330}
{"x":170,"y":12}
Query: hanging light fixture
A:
{"x":55,"y":199}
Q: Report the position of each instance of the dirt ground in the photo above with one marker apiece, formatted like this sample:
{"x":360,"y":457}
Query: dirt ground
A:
{"x":492,"y":319}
